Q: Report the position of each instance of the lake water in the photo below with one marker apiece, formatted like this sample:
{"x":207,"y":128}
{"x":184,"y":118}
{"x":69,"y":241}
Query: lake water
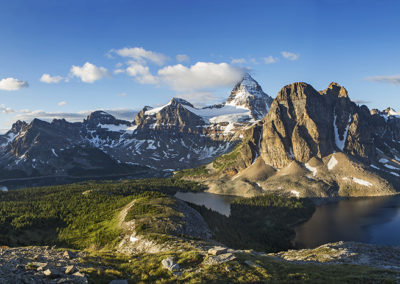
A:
{"x":218,"y":203}
{"x":371,"y":220}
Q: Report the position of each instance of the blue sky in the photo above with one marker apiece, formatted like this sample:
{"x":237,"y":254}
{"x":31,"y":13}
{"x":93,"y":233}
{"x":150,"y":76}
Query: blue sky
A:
{"x":125,"y":52}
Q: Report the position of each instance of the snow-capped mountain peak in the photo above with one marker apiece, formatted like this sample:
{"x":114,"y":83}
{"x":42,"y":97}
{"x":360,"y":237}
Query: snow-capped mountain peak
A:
{"x":248,"y":94}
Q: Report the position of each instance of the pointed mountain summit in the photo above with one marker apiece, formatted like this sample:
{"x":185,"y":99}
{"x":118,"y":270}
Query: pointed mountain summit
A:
{"x":248,"y":94}
{"x":315,"y":144}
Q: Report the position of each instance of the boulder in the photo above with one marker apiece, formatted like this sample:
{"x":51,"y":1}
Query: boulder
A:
{"x":170,"y":264}
{"x":70,"y":269}
{"x":217,"y":250}
{"x":218,"y":259}
{"x":69,"y":255}
{"x":51,"y":272}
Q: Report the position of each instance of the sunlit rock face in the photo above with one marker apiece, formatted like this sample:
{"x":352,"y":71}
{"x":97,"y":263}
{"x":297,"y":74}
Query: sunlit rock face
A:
{"x":317,"y":143}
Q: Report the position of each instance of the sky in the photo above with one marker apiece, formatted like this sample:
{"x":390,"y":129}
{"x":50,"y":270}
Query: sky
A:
{"x":66,"y":58}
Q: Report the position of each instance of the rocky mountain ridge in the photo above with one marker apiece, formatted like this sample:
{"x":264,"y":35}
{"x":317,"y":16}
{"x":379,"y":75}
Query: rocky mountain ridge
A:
{"x":174,"y":136}
{"x":315,"y":144}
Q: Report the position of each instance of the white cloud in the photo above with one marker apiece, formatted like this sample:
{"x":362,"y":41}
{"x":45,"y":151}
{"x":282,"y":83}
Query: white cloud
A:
{"x":238,"y":61}
{"x":253,"y":60}
{"x":4,"y":109}
{"x":89,"y":73}
{"x":141,"y":55}
{"x":119,"y":71}
{"x":290,"y":55}
{"x":270,"y":59}
{"x":123,"y":94}
{"x":62,"y":103}
{"x":182,"y":58}
{"x":200,"y":76}
{"x":27,"y":115}
{"x":12,"y":84}
{"x":141,"y":73}
{"x":393,"y":79}
{"x":46,"y":78}
{"x":200,"y":98}
{"x":123,"y":113}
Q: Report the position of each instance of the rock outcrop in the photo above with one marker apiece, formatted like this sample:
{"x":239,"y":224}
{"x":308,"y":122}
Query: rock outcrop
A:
{"x":316,"y":144}
{"x":385,"y":257}
{"x":40,"y":265}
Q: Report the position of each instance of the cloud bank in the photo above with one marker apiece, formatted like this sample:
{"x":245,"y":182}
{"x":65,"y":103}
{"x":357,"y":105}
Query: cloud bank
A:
{"x":27,"y":115}
{"x":393,"y":79}
{"x":200,"y":76}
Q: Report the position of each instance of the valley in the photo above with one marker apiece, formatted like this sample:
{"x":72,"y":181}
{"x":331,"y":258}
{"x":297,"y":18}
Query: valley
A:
{"x":137,"y":231}
{"x":298,"y":188}
{"x":197,"y":142}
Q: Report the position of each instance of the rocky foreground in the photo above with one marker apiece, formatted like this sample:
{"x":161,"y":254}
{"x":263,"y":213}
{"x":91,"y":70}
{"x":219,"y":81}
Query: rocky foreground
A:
{"x":386,"y":257}
{"x":41,"y":265}
{"x":52,"y":265}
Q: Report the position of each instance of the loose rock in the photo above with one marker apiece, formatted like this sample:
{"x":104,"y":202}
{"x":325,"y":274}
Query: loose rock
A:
{"x":170,"y":264}
{"x":217,"y":250}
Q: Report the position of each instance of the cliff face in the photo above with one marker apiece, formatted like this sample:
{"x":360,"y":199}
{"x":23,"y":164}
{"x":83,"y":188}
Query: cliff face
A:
{"x":317,"y":144}
{"x":304,"y":123}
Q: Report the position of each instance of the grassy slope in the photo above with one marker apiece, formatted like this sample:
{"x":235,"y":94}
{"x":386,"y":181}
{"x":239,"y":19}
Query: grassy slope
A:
{"x":85,"y":216}
{"x":246,"y":268}
{"x":78,"y":215}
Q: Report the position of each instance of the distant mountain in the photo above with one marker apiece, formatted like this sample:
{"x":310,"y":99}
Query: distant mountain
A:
{"x":315,"y":144}
{"x":167,"y":138}
{"x":248,"y":94}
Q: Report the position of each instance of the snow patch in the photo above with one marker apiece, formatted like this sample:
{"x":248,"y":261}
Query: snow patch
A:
{"x":339,"y":142}
{"x":383,"y":161}
{"x":391,"y":167}
{"x":295,"y":192}
{"x":54,"y":152}
{"x":332,"y":163}
{"x":311,"y":169}
{"x":359,"y":181}
{"x":133,"y":239}
{"x":151,"y":145}
{"x":117,"y":128}
{"x":153,"y":111}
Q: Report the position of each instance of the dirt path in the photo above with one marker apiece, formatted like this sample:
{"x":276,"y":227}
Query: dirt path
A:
{"x":121,"y":216}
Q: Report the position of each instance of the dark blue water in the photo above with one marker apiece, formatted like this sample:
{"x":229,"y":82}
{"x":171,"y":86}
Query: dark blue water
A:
{"x":371,"y":220}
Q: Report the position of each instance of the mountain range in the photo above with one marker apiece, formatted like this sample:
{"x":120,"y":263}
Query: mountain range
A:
{"x":167,"y":138}
{"x":304,"y":143}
